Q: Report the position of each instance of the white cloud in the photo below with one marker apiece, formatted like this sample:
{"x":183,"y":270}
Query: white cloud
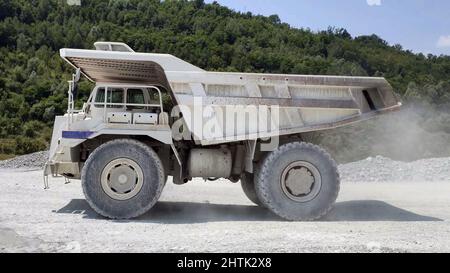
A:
{"x":444,"y":41}
{"x":374,"y":2}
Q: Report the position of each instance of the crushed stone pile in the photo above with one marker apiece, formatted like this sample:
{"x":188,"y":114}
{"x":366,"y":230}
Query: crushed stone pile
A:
{"x":381,"y":169}
{"x":372,"y":169}
{"x":29,"y":161}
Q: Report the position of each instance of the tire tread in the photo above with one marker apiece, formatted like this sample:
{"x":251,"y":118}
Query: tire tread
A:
{"x":107,"y":145}
{"x":264,"y":169}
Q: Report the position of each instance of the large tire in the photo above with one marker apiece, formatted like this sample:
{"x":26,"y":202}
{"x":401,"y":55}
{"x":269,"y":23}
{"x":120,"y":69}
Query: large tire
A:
{"x":248,"y":186}
{"x":298,"y":182}
{"x":122,"y":179}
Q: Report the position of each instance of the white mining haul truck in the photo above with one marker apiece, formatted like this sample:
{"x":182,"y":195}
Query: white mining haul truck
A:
{"x":151,"y":116}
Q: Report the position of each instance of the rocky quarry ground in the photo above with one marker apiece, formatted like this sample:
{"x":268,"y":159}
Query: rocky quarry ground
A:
{"x":383,"y":206}
{"x":30,"y":161}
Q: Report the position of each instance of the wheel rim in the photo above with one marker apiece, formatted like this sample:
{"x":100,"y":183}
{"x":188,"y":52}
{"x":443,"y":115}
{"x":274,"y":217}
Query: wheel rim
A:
{"x":301,"y":181}
{"x":122,"y":179}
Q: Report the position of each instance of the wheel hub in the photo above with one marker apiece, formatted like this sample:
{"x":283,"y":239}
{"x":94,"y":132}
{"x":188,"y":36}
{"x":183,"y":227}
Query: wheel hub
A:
{"x":122,"y":179}
{"x":301,"y":181}
{"x":303,"y":176}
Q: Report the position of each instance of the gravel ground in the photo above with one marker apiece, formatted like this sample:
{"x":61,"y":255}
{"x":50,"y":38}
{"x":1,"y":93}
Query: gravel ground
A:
{"x":381,"y":169}
{"x":405,"y":216}
{"x":216,"y":217}
{"x":30,"y":161}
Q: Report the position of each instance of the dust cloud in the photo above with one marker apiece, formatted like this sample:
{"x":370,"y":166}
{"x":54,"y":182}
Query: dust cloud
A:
{"x":415,"y":132}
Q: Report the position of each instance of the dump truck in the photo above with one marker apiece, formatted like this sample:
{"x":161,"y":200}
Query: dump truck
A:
{"x":154,"y":116}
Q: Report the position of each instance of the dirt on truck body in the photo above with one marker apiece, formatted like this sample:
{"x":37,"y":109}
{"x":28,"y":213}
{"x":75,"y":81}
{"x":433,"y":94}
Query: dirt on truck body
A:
{"x":151,"y":116}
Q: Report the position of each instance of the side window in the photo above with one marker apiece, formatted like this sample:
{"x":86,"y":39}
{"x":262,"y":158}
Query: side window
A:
{"x":115,"y":95}
{"x":135,"y":96}
{"x":154,"y":96}
{"x":100,"y":97}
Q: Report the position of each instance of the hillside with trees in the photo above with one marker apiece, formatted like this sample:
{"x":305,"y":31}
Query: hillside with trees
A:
{"x":33,"y":78}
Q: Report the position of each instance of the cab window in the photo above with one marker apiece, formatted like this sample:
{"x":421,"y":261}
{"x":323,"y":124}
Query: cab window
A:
{"x":154,"y":96}
{"x":115,"y":95}
{"x":135,"y":96}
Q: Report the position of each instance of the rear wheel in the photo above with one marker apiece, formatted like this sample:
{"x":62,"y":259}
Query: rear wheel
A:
{"x":298,"y":181}
{"x":122,"y":179}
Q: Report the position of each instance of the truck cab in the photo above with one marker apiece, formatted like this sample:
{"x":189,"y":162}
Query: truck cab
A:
{"x":119,"y":110}
{"x":126,"y":104}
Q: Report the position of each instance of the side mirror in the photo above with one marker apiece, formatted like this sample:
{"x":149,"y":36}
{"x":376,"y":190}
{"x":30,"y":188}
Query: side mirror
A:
{"x":74,"y":85}
{"x":76,"y":76}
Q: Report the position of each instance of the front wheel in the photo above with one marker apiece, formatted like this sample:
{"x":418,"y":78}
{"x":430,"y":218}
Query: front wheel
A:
{"x":298,"y":181}
{"x":122,"y":179}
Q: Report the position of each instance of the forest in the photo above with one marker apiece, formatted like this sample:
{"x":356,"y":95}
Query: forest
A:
{"x":33,"y":78}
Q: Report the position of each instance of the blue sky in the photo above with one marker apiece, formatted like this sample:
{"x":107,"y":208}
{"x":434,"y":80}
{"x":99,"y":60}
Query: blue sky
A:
{"x":418,"y":25}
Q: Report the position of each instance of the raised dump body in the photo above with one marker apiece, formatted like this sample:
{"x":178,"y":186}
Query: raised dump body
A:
{"x":305,"y":102}
{"x":245,"y":127}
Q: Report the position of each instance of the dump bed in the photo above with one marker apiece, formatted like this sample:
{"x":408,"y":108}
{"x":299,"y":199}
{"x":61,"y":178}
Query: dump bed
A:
{"x":301,"y":103}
